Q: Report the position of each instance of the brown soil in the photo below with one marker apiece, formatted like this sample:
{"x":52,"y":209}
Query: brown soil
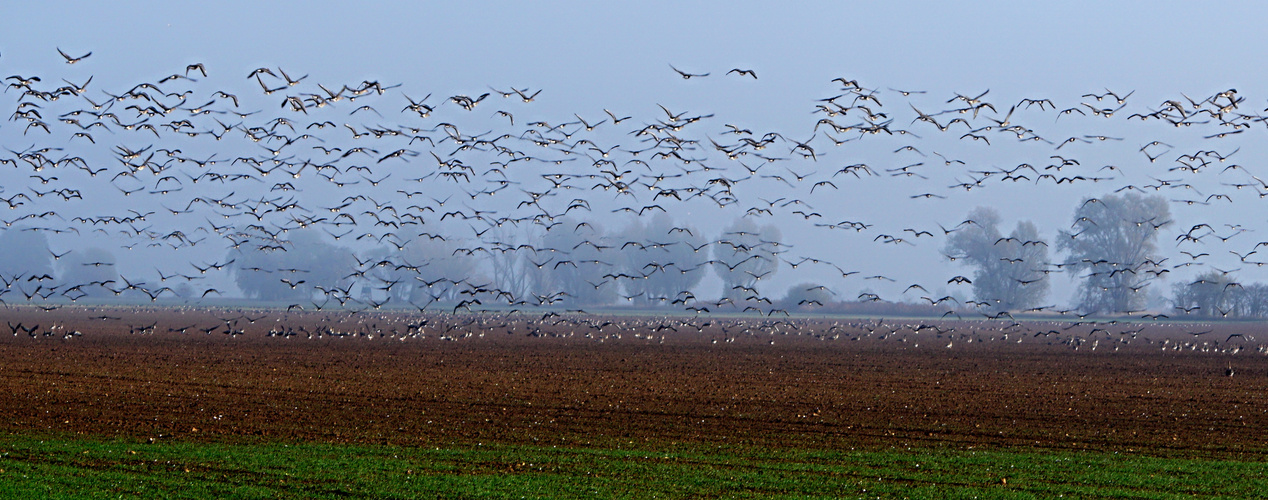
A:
{"x":574,"y":380}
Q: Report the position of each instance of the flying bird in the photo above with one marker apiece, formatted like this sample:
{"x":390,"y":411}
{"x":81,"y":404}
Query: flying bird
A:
{"x":688,"y":76}
{"x":72,"y":60}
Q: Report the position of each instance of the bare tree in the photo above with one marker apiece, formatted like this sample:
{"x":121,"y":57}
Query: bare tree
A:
{"x":1253,"y":301}
{"x":508,"y":261}
{"x":579,"y":257}
{"x":1112,"y":244}
{"x":1011,"y":272}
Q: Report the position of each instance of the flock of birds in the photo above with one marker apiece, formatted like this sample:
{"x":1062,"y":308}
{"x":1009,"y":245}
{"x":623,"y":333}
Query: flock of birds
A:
{"x":1111,"y":335}
{"x":189,"y":174}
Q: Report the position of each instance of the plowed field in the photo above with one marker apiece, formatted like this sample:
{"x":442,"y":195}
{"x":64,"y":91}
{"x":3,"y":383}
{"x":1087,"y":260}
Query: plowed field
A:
{"x":577,"y":380}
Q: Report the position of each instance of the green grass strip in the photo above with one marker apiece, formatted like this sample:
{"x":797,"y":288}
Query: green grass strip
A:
{"x":67,"y":467}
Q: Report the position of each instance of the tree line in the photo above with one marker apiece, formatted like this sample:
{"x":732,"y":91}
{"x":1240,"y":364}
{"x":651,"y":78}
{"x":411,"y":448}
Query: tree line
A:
{"x":650,"y":262}
{"x":1111,"y":247}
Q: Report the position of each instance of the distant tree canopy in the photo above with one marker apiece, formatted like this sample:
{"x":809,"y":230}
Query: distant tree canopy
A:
{"x":744,"y":255}
{"x":1010,"y":271}
{"x":24,"y":251}
{"x":1217,"y":294}
{"x":649,"y":262}
{"x":292,"y":269}
{"x":580,"y":256}
{"x":1113,"y":246}
{"x":667,"y":260}
{"x":422,"y":271}
{"x":807,"y":295}
{"x":92,"y":270}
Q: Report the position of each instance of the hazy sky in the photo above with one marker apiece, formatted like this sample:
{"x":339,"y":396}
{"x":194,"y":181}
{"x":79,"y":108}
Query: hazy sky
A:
{"x":590,"y":56}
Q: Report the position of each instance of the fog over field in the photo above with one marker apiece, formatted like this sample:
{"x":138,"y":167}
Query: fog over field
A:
{"x":1065,"y":158}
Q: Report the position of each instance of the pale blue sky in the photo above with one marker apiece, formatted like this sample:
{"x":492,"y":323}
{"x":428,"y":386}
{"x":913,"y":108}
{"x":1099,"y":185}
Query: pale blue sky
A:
{"x":591,"y":56}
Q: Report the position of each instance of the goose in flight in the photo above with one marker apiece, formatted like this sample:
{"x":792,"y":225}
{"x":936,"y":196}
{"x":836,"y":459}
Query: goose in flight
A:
{"x":688,"y":76}
{"x":73,"y":60}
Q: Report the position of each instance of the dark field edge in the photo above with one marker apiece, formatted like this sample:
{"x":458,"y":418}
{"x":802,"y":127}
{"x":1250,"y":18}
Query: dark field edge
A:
{"x":71,"y":466}
{"x":968,"y":317}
